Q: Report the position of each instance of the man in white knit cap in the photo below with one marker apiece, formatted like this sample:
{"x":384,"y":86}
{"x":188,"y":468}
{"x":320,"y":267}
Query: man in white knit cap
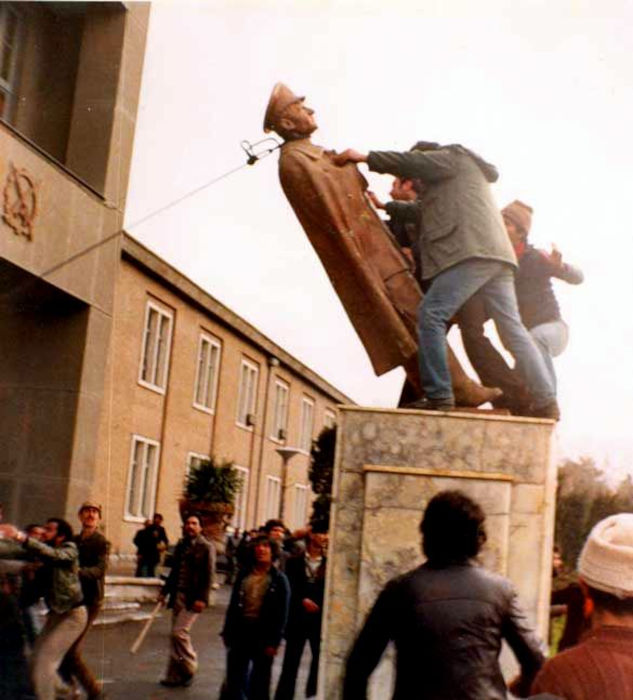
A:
{"x":602,"y":665}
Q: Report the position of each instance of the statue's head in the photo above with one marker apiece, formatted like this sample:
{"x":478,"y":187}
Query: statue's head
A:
{"x":287,"y":114}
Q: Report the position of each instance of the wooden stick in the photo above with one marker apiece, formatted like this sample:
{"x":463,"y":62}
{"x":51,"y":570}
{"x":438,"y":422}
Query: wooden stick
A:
{"x":148,"y":623}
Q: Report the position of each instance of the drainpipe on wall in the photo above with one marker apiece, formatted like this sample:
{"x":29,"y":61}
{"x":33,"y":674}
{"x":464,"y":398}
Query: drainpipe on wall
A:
{"x":272,"y":362}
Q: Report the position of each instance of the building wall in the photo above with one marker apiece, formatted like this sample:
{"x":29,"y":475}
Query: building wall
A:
{"x":171,"y":419}
{"x":57,"y":275}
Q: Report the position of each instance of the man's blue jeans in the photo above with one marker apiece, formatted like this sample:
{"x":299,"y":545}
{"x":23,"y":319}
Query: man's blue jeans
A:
{"x":449,"y":290}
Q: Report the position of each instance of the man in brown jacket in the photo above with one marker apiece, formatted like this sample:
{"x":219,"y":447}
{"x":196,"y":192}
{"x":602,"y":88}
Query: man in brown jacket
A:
{"x":187,"y":588}
{"x":602,"y":665}
{"x":93,"y":555}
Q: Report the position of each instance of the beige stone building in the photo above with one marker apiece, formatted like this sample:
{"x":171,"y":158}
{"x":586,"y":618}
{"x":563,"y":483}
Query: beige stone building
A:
{"x":70,"y":75}
{"x":117,"y":373}
{"x":188,"y":379}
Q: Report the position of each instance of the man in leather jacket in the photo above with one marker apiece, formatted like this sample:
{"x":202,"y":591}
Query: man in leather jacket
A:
{"x":447,"y":618}
{"x":188,"y":589}
{"x":254,"y":624}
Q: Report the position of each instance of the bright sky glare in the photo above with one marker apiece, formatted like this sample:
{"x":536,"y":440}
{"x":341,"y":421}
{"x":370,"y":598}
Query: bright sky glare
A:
{"x":543,"y":90}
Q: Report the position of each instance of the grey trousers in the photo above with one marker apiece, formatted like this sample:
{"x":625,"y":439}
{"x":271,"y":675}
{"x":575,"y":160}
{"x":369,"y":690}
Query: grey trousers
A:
{"x":183,"y":660}
{"x":58,"y":635}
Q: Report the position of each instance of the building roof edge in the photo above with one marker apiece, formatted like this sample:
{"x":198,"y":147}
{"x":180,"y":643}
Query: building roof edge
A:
{"x":143,"y":257}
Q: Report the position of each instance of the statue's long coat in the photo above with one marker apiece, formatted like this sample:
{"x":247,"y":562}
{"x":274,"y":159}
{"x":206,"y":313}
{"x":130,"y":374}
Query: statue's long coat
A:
{"x":367,"y":269}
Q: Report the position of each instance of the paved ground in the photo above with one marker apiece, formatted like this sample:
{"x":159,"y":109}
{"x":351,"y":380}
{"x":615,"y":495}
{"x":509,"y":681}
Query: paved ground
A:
{"x":129,"y":677}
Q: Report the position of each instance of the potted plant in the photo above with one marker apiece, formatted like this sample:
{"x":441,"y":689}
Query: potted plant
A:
{"x":210,"y":491}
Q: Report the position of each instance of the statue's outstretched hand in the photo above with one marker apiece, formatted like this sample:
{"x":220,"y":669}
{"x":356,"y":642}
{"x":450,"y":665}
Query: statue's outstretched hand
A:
{"x":349,"y":156}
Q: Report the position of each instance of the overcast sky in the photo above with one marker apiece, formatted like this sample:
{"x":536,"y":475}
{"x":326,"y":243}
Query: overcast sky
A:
{"x":542,"y":89}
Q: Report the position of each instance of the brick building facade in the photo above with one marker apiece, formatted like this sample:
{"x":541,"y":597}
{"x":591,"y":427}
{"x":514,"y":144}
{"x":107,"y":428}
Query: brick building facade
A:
{"x":189,"y":379}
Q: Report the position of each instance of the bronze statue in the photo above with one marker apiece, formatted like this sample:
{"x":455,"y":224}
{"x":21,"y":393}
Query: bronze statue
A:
{"x":367,"y":269}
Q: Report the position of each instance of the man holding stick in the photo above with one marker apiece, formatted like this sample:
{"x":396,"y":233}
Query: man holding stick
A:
{"x":187,"y":589}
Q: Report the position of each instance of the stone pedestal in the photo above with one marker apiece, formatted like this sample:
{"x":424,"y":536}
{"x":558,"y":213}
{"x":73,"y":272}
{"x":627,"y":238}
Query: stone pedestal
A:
{"x":389,"y":464}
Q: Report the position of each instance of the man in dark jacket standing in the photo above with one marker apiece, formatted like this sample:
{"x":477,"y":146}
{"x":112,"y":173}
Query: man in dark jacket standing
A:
{"x":447,"y":618}
{"x":464,"y":248}
{"x":93,"y":556}
{"x":306,"y":575}
{"x":254,"y":624}
{"x":150,"y":542}
{"x":187,"y":588}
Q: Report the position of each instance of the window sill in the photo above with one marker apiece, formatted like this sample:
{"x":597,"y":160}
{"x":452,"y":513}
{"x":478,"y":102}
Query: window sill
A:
{"x":152,"y":387}
{"x":127,"y":518}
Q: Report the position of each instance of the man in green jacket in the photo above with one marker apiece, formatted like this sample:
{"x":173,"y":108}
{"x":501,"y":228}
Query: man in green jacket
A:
{"x":67,"y":615}
{"x":464,"y":248}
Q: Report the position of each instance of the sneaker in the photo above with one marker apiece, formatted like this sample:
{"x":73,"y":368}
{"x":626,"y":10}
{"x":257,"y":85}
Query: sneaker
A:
{"x":427,"y":404}
{"x":548,"y":410}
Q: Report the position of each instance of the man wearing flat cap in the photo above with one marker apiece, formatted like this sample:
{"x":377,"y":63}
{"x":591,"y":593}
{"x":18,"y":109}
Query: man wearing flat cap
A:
{"x":362,"y":260}
{"x":602,"y":665}
{"x":93,"y":555}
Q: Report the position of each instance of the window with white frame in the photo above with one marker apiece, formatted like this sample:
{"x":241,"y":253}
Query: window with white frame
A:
{"x":241,"y":499}
{"x":307,"y":423}
{"x":194,"y":460}
{"x":300,"y":509}
{"x":247,"y":394}
{"x":280,"y":413}
{"x":9,"y":46}
{"x":141,"y":483}
{"x":329,"y":418}
{"x":273,"y":497}
{"x":156,"y":342}
{"x":207,"y":373}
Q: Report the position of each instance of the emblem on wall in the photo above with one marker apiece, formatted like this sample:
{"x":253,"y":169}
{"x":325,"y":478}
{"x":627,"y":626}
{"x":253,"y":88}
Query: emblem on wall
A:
{"x":19,"y":201}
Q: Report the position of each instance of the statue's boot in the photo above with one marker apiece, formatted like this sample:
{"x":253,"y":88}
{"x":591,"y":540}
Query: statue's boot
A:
{"x":466,"y":391}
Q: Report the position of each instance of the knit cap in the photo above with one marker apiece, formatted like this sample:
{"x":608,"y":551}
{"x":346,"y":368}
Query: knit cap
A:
{"x":519,"y":214}
{"x":606,"y":560}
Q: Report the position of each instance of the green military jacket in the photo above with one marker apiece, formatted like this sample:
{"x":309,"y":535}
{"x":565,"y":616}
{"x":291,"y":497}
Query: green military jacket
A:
{"x":459,"y":219}
{"x":60,"y":574}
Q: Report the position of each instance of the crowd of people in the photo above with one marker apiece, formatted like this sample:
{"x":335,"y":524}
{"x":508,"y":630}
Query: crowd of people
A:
{"x":68,"y":572}
{"x":278,"y":587}
{"x":447,"y":618}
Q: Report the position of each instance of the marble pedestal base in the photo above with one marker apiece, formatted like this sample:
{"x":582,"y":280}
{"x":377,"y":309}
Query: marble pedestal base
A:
{"x":389,"y":464}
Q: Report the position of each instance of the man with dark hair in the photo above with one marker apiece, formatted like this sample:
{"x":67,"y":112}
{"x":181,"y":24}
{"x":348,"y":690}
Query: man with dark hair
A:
{"x":447,"y":618}
{"x":150,"y":542}
{"x":602,"y":665}
{"x":464,"y":249}
{"x":67,"y":615}
{"x":187,"y":589}
{"x":93,"y":558}
{"x":254,"y":623}
{"x":306,"y":575}
{"x":276,"y":529}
